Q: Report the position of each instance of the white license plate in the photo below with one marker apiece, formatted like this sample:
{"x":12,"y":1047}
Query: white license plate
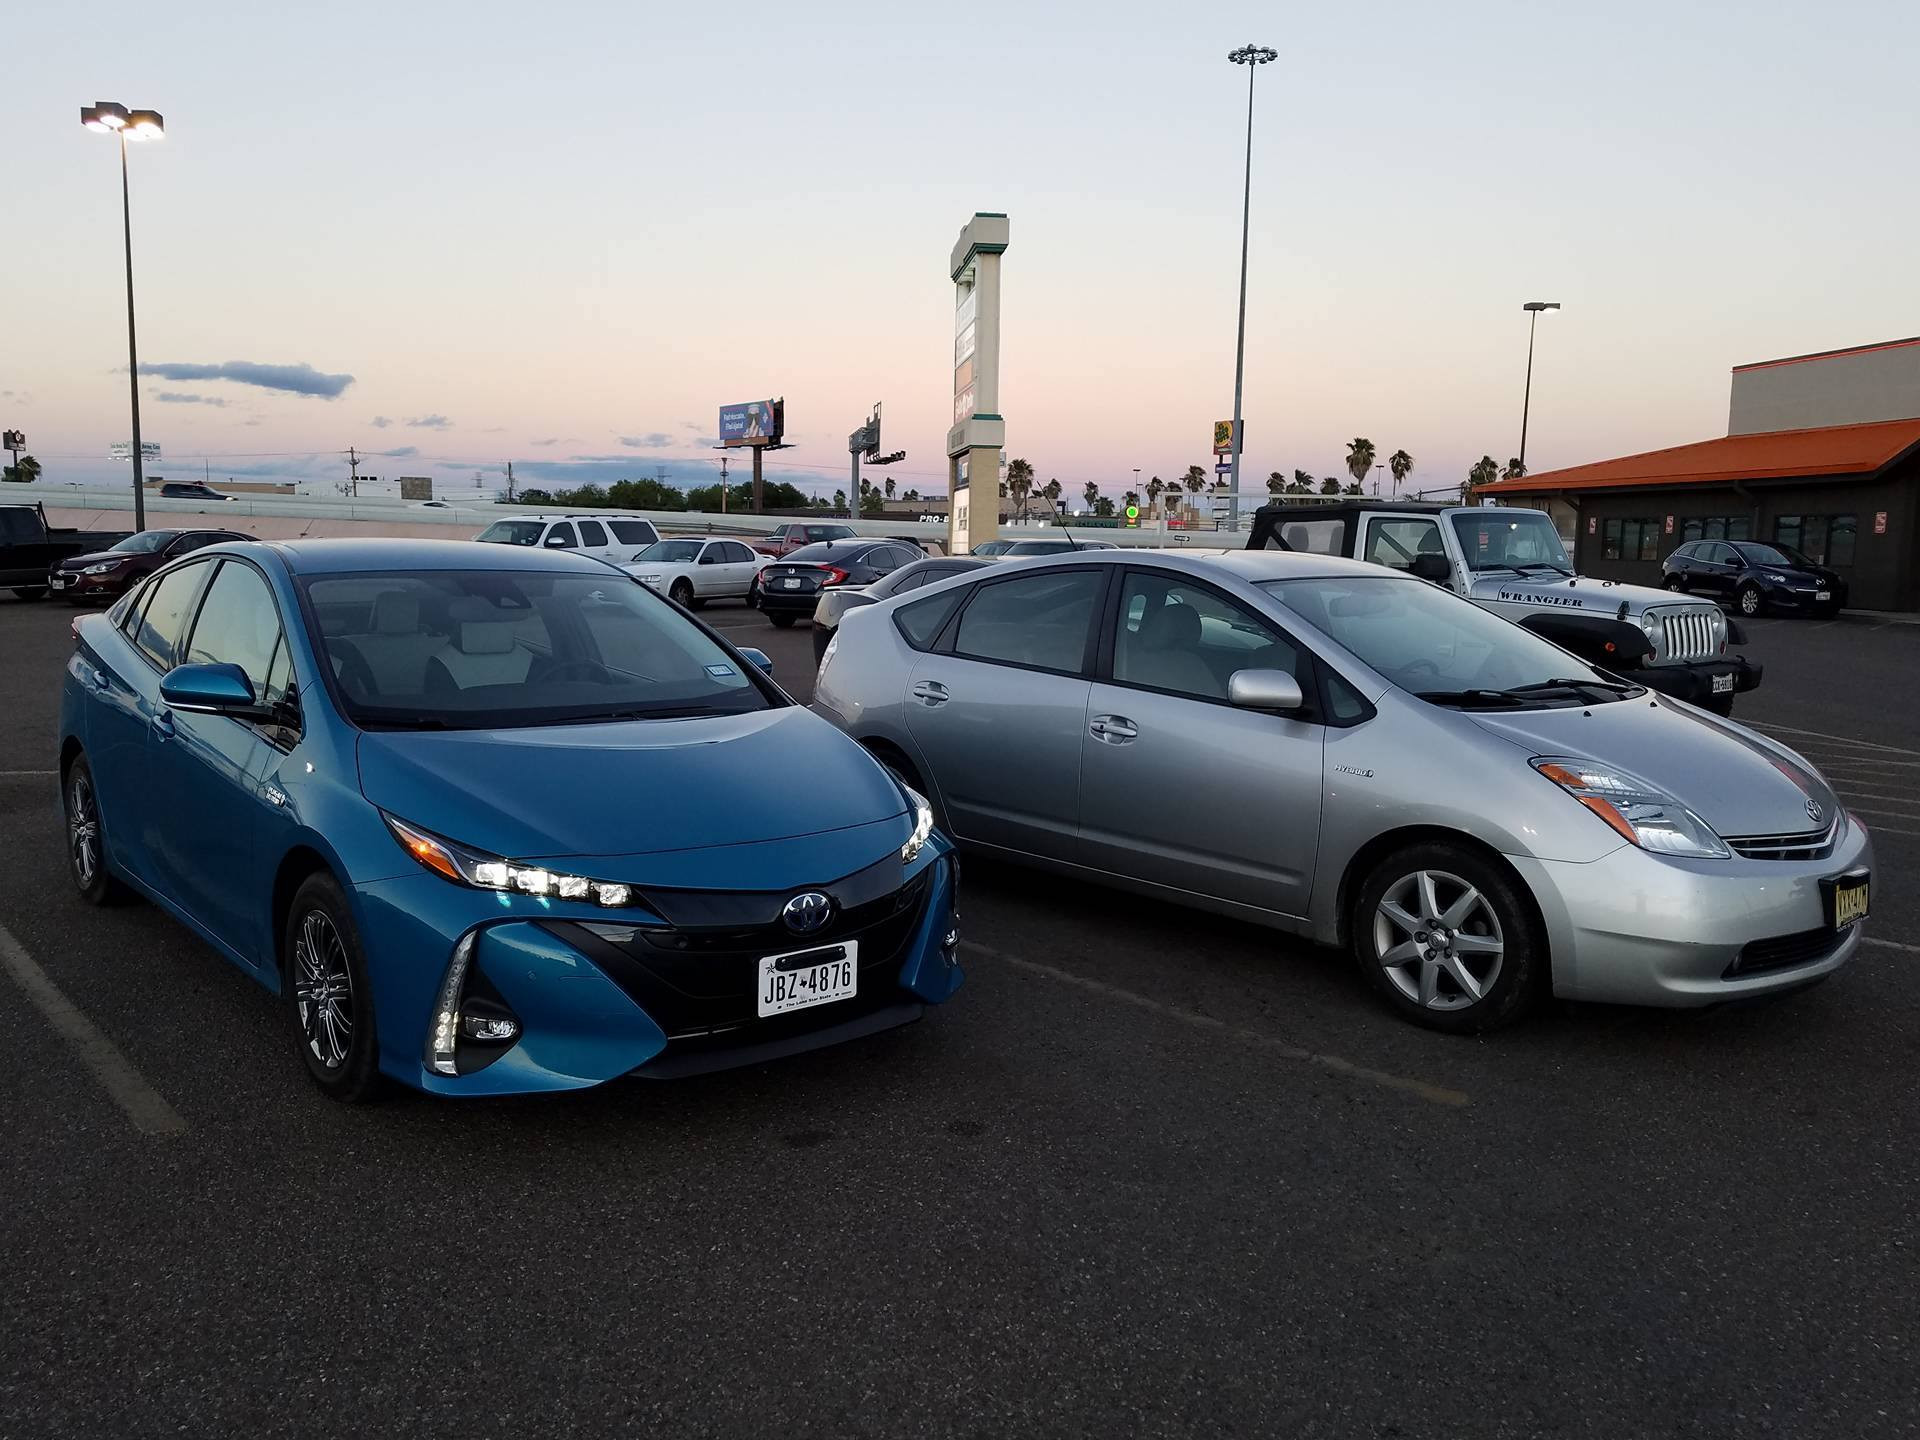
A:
{"x":789,"y":584}
{"x":58,"y":582}
{"x":801,"y":978}
{"x":1823,"y":594}
{"x":1723,"y":684}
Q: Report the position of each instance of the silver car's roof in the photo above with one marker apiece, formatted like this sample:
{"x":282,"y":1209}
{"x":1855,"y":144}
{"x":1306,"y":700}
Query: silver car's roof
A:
{"x":1248,"y":565}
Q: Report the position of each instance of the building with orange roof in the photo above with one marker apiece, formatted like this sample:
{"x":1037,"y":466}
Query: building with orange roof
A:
{"x":1822,"y":452}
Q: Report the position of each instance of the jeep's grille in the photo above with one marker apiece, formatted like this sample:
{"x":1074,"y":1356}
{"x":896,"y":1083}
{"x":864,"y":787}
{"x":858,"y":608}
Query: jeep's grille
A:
{"x":1691,"y":635}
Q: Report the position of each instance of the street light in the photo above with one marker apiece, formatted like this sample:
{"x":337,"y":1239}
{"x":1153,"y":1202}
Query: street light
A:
{"x":1253,"y":57}
{"x":108,"y":116}
{"x":1533,"y":309}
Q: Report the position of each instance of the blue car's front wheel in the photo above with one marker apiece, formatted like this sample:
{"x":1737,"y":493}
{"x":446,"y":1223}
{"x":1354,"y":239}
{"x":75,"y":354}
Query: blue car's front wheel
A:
{"x":327,"y":994}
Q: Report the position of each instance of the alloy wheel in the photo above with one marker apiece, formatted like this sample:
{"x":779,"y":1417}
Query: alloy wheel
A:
{"x":1749,"y":602}
{"x":83,"y":830}
{"x":1438,"y":940}
{"x":323,"y":990}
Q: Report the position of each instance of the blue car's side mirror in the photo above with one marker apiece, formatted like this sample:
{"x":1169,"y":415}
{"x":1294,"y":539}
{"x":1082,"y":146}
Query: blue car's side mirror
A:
{"x":760,"y":658}
{"x":209,"y":689}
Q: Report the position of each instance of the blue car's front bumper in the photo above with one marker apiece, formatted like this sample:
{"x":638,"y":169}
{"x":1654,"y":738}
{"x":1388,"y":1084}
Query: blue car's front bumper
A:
{"x":599,"y":993}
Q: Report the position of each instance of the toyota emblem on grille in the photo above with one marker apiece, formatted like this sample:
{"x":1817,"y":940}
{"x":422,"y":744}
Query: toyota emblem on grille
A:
{"x":806,"y":913}
{"x":1813,"y":810}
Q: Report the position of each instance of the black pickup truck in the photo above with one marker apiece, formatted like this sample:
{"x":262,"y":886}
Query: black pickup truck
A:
{"x":29,"y":547}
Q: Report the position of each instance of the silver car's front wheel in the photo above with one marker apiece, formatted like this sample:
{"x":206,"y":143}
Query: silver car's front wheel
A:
{"x":1438,"y":940}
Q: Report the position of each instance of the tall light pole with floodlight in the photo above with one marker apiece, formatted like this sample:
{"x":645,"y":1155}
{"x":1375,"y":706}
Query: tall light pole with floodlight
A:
{"x":1253,"y":57}
{"x":109,"y":116}
{"x":1533,"y":309}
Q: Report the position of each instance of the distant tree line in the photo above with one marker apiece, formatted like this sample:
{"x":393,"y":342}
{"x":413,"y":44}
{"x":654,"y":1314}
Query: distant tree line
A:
{"x":658,"y":495}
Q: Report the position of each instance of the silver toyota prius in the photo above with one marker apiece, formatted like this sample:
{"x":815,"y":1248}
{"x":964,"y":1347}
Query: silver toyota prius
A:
{"x":1365,"y":759}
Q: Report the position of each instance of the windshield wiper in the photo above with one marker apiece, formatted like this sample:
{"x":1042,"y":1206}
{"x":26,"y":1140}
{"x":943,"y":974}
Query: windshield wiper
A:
{"x":645,"y":712}
{"x":1611,"y":686}
{"x":1521,"y":694}
{"x":1542,"y":565}
{"x":1469,"y":697}
{"x":405,"y":722}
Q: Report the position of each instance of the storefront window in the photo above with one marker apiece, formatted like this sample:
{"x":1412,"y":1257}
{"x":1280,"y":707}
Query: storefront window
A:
{"x":1630,"y":540}
{"x":1823,"y":539}
{"x":1717,"y":527}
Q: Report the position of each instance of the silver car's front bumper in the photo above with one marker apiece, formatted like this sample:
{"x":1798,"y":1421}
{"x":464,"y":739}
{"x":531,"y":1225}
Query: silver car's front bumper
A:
{"x":1635,"y":929}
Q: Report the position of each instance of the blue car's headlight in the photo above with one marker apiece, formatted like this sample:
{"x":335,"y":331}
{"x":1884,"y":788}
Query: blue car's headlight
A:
{"x":490,"y":872}
{"x":922,"y":823}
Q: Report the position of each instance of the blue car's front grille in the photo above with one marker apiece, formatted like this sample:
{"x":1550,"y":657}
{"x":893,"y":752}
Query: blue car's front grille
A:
{"x":700,"y":981}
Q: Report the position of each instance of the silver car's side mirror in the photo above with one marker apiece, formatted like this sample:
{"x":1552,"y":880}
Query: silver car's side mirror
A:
{"x":1265,"y":690}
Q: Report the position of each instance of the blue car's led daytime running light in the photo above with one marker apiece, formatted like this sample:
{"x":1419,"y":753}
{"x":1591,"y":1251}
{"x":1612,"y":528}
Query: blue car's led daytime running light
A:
{"x":488,"y":872}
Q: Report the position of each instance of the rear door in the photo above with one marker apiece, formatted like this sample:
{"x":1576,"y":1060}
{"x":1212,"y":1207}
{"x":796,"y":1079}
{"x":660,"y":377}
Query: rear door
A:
{"x":999,"y":708}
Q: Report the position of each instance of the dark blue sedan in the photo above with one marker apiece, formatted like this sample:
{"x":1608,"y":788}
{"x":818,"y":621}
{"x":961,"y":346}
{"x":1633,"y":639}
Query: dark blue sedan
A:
{"x":491,"y":820}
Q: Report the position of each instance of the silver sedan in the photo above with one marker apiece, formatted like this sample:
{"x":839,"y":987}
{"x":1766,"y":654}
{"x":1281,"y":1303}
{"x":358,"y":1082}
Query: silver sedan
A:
{"x":1364,"y":759}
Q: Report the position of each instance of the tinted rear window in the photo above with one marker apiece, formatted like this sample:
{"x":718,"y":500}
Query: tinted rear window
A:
{"x":633,"y":532}
{"x":919,"y":622}
{"x":837,"y":550}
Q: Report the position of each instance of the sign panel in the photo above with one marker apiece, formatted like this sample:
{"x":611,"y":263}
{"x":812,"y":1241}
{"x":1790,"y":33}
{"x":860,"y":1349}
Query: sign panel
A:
{"x":14,"y":440}
{"x":1223,"y":437}
{"x":123,"y":450}
{"x":416,"y":487}
{"x":1879,"y":522}
{"x":757,"y":422}
{"x":1669,"y":524}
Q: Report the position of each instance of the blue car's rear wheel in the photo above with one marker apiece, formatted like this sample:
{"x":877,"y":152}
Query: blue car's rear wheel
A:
{"x":328,"y":998}
{"x":86,"y":839}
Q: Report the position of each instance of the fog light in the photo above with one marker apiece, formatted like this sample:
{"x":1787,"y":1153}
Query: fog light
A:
{"x":488,"y":1027}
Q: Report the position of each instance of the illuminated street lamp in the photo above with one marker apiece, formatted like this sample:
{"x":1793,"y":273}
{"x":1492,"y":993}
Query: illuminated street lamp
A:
{"x":1533,"y":309}
{"x":1253,"y":57}
{"x":109,"y":116}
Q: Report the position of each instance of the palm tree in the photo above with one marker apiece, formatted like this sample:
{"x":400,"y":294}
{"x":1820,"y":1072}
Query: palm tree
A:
{"x":1019,"y":483}
{"x":1360,"y":457}
{"x":26,"y":472}
{"x":1131,"y":499}
{"x":1353,"y":488}
{"x":1154,"y":488}
{"x":1195,"y":479}
{"x":1052,"y":491}
{"x":1484,"y":472}
{"x":1173,"y":502}
{"x":1401,"y":465}
{"x":1301,"y":484}
{"x":889,"y":487}
{"x":1515,"y":470}
{"x":1276,"y":483}
{"x":839,"y":499}
{"x":1091,"y":493}
{"x":1331,"y":486}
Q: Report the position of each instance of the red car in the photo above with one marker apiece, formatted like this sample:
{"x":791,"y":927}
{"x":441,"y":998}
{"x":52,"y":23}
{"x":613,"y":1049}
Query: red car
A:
{"x":106,"y":574}
{"x":787,"y":538}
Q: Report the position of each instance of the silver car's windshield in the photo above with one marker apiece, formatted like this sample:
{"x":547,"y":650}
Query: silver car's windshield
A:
{"x":1442,"y":648}
{"x":1494,"y":539}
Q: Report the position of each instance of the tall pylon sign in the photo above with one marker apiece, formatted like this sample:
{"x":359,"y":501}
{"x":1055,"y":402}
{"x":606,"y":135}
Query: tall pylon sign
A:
{"x":979,"y":431}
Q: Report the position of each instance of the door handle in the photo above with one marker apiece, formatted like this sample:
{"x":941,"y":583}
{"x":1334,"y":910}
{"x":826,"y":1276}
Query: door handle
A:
{"x":98,"y":677}
{"x":163,"y":725}
{"x":1114,"y":729}
{"x":930,"y":693}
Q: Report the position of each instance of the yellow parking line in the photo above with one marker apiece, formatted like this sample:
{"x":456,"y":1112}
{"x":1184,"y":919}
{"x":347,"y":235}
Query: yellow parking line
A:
{"x":130,"y":1091}
{"x":1438,"y":1094}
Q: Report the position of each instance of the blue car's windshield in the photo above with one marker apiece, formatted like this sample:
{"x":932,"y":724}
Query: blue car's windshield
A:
{"x":489,"y":649}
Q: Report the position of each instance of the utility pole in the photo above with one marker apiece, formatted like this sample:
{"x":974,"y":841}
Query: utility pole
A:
{"x":723,"y":482}
{"x":353,"y":467}
{"x":1253,"y":57}
{"x":509,"y":482}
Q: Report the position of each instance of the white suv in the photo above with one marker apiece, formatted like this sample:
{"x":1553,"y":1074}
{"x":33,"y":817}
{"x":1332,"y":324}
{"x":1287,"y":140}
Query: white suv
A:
{"x":605,"y":537}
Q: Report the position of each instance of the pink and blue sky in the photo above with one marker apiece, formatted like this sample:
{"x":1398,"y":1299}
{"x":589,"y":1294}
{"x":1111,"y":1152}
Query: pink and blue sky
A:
{"x":457,"y":234}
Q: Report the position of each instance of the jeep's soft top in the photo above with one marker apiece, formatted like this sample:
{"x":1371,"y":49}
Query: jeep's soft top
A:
{"x":1269,"y":520}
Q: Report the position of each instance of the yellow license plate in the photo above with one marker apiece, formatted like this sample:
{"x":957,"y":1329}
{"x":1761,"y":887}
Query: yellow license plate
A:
{"x":1849,"y":902}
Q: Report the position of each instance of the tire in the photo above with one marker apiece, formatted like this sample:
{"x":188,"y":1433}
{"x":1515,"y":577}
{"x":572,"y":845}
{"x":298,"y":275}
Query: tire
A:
{"x":1721,"y":705}
{"x":87,"y":838}
{"x":1749,"y":601}
{"x":681,"y":593}
{"x":321,"y":952}
{"x":1436,"y":881}
{"x":821,"y":635}
{"x":30,"y":592}
{"x":1675,"y":584}
{"x":782,"y":622}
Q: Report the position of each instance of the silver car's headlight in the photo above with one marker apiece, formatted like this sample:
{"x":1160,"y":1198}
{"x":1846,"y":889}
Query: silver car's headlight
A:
{"x":922,"y":824}
{"x":489,"y":872}
{"x":1639,"y":811}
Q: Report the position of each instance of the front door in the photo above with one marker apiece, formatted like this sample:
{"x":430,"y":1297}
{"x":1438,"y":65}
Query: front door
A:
{"x":999,"y":718}
{"x":1182,"y":789}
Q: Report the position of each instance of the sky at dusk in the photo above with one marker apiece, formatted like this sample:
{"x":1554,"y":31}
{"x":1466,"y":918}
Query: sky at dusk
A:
{"x":563,"y":235}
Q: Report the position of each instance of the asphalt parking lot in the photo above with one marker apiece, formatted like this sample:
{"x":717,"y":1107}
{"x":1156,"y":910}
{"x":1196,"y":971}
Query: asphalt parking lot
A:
{"x":1150,"y":1173}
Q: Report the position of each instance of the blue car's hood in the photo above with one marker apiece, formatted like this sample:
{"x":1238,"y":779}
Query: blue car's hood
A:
{"x":633,"y":788}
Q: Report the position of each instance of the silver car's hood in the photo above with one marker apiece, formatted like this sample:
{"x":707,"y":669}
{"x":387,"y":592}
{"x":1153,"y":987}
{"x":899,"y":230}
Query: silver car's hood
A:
{"x":1724,"y":778}
{"x":1559,"y":592}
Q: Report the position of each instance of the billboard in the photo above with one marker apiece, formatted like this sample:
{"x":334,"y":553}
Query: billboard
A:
{"x":1223,"y":437}
{"x":758,"y":422}
{"x":416,"y":487}
{"x":123,"y":450}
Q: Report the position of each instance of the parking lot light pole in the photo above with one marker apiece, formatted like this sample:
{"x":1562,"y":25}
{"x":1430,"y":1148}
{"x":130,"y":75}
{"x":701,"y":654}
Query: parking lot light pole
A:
{"x":1253,"y":57}
{"x":1533,"y":309}
{"x":107,"y":116}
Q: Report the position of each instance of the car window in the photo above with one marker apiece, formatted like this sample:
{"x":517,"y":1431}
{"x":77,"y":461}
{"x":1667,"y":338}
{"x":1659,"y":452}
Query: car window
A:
{"x":164,"y":618}
{"x":1179,"y":636}
{"x":633,"y":532}
{"x":561,"y":537}
{"x":1394,"y":542}
{"x":1039,"y":620}
{"x":920,"y":622}
{"x":899,"y":585}
{"x":238,"y":625}
{"x":512,"y":532}
{"x":739,"y":554}
{"x":593,"y":534}
{"x":824,"y":532}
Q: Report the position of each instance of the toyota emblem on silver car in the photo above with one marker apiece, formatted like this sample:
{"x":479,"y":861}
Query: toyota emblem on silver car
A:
{"x":806,"y":913}
{"x":1813,"y":811}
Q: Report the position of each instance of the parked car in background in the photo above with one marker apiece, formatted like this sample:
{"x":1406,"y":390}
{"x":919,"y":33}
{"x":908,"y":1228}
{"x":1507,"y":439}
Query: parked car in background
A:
{"x":692,"y":572}
{"x":492,"y":821}
{"x":605,"y":537}
{"x":1051,"y":545}
{"x":1754,"y":576}
{"x":987,"y":549}
{"x":1326,"y":747}
{"x":785,"y":539}
{"x":835,"y":603}
{"x":29,"y":548}
{"x":102,"y":575}
{"x":790,"y":588}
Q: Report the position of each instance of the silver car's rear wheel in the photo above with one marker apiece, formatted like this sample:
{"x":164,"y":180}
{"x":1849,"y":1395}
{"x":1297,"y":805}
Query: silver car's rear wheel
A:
{"x":1438,"y":940}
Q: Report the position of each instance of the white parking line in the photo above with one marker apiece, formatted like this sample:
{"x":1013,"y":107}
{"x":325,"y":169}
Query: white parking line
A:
{"x":1438,"y":1094}
{"x":1827,"y":735}
{"x":1890,"y":814}
{"x":144,"y":1105}
{"x":19,"y":774}
{"x":1889,"y":944}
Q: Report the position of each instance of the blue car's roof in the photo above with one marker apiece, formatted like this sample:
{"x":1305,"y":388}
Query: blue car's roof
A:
{"x":333,"y":557}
